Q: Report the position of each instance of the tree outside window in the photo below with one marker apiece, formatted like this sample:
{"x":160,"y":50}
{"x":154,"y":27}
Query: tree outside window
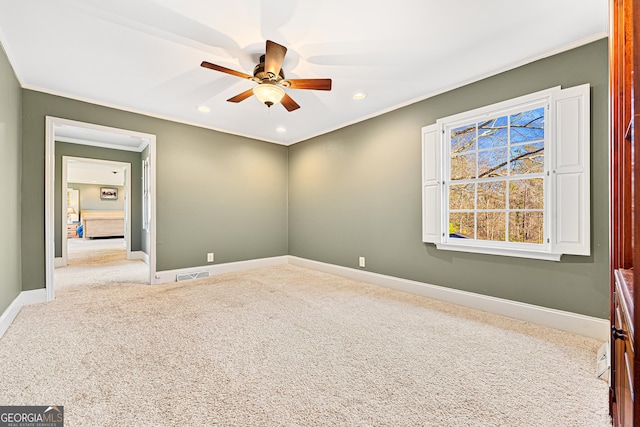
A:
{"x":496,"y":178}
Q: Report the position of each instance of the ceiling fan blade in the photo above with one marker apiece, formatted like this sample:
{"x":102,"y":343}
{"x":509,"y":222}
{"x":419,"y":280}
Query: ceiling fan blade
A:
{"x":273,"y":58}
{"x":241,"y":96}
{"x":289,"y":103}
{"x":220,"y":68}
{"x":314,"y":84}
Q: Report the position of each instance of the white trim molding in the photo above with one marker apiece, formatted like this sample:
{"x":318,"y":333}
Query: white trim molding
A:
{"x":49,"y":215}
{"x":229,"y":267}
{"x":563,"y":320}
{"x":24,"y":298}
{"x":139,"y":255}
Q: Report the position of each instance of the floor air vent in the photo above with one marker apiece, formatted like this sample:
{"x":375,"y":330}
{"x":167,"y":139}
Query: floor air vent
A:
{"x":191,"y":276}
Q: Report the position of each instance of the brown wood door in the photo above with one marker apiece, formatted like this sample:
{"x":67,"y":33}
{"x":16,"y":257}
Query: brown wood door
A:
{"x":624,"y":69}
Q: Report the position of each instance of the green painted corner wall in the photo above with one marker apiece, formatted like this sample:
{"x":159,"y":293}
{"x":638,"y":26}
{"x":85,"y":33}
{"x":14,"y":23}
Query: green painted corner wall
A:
{"x":10,"y":170}
{"x":357,"y":192}
{"x":214,"y":192}
{"x":90,"y":152}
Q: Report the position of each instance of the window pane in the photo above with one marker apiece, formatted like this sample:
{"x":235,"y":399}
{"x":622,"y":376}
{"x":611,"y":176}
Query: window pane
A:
{"x":526,"y":194}
{"x":492,"y":195}
{"x":527,"y":126}
{"x":492,"y":163}
{"x":461,"y":225}
{"x":461,"y":196}
{"x":496,"y":157}
{"x":526,"y":227}
{"x":491,"y":226}
{"x":463,"y":139}
{"x":463,"y":166}
{"x":492,"y":133}
{"x":527,"y":158}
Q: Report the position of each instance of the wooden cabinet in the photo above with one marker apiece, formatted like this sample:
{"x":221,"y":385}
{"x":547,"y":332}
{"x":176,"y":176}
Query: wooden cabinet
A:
{"x":71,"y":230}
{"x":624,"y":76}
{"x":623,"y":331}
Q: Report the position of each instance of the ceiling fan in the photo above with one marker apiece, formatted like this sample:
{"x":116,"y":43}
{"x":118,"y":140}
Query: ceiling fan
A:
{"x":270,"y":78}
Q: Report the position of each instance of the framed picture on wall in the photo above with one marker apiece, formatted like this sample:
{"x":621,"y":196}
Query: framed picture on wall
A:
{"x":108,"y":193}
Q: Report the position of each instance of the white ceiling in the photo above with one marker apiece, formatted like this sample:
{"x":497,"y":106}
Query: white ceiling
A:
{"x":145,"y":55}
{"x":98,"y":172}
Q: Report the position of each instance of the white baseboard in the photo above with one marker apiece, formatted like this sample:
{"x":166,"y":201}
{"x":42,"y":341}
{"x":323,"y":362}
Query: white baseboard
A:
{"x":24,"y":298}
{"x":59,"y":262}
{"x":563,"y":320}
{"x":170,"y":275}
{"x":135,"y":255}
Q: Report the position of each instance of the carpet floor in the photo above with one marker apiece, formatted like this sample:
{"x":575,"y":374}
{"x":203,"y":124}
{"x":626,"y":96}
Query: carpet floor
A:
{"x":287,"y":346}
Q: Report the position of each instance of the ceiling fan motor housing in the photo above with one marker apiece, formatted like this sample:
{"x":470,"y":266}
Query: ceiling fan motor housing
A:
{"x":260,"y":74}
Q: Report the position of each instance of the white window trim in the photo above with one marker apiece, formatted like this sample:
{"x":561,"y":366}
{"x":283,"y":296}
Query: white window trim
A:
{"x":490,"y":250}
{"x":567,"y":181}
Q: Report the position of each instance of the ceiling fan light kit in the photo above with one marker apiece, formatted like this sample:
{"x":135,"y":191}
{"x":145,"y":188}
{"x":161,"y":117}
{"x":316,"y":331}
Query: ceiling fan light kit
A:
{"x":268,"y":93}
{"x":269,"y":76}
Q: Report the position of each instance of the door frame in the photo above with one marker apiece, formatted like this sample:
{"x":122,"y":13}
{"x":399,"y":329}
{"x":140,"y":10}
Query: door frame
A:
{"x":49,"y":169}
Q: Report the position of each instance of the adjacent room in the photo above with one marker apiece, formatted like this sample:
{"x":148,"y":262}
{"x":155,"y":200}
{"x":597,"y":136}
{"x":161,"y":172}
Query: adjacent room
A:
{"x":309,"y":213}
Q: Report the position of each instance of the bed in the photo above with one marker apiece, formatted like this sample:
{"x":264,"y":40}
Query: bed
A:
{"x":100,"y":223}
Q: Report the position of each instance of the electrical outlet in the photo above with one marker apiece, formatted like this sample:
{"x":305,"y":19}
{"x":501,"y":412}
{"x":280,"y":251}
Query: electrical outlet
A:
{"x":361,"y":262}
{"x":210,"y":257}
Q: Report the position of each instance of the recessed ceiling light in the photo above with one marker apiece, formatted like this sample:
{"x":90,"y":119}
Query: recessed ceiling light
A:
{"x":281,"y":129}
{"x":360,"y":95}
{"x":204,"y":109}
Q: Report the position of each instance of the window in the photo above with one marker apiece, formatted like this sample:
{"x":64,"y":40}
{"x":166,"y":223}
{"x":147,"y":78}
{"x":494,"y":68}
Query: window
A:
{"x":495,"y":188}
{"x":511,"y":178}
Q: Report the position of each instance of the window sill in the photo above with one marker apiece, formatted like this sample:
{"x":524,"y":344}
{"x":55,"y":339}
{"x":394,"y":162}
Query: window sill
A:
{"x":518,"y":253}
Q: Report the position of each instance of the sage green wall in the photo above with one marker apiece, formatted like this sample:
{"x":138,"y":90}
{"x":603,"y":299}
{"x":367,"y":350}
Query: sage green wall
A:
{"x":10,"y":154}
{"x":90,"y":152}
{"x":215,"y":192}
{"x":357,"y":192}
{"x":89,"y":195}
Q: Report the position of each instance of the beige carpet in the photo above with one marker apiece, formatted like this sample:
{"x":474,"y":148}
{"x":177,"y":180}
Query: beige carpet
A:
{"x":286,"y":346}
{"x":99,"y":261}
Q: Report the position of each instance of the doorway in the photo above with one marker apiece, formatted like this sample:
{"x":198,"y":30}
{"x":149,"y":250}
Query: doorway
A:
{"x":83,"y":179}
{"x":74,"y":132}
